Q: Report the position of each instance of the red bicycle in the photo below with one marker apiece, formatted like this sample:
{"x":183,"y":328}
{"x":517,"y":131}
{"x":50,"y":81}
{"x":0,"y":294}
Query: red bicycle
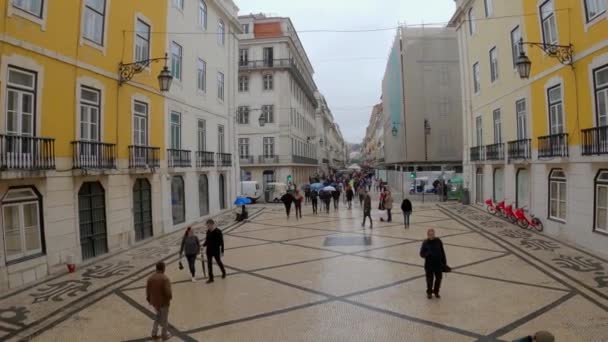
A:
{"x":495,"y":209}
{"x":531,"y":223}
{"x":510,"y":214}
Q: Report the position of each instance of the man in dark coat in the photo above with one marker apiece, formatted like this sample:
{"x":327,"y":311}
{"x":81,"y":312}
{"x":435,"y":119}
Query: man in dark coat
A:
{"x":314,"y":199}
{"x":434,"y":261}
{"x":367,"y":210}
{"x":158,"y":294}
{"x":287,"y":200}
{"x":214,"y":241}
{"x":349,"y":196}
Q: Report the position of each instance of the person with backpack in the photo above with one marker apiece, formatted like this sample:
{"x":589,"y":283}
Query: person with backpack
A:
{"x":406,"y":207}
{"x":191,"y":246}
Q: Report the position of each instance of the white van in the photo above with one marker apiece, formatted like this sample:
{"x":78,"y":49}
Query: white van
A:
{"x":251,"y":190}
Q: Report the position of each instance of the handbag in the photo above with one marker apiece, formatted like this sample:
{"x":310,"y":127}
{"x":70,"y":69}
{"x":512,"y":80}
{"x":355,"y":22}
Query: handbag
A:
{"x":180,"y":265}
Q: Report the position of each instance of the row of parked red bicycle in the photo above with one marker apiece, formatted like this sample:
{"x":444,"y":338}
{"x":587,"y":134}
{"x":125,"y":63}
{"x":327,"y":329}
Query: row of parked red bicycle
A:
{"x":518,"y":215}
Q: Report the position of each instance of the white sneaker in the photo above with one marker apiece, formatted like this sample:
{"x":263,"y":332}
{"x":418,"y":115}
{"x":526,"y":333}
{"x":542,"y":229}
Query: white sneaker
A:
{"x":193,"y":279}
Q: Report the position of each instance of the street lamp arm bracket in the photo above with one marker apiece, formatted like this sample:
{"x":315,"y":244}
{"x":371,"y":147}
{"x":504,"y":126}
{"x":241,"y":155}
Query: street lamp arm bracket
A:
{"x":563,"y":53}
{"x":127,"y":71}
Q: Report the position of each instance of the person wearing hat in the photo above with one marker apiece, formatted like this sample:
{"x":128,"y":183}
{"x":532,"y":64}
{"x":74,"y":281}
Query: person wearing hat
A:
{"x":540,"y":336}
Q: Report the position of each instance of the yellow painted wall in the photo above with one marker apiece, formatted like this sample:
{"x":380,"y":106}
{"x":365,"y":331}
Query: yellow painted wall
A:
{"x":576,"y":82}
{"x":59,"y":49}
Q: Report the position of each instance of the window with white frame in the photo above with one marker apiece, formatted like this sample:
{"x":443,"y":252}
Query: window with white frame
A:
{"x":478,"y":131}
{"x":21,"y":97}
{"x":594,"y":8}
{"x":601,"y":201}
{"x":476,"y":80}
{"x":94,"y":14}
{"x":221,"y":32}
{"x":556,"y":110}
{"x":493,"y":64}
{"x":220,"y":139}
{"x":243,"y":148}
{"x":497,"y":126}
{"x":489,"y":7}
{"x":33,"y":7}
{"x":179,"y":4}
{"x":140,"y":123}
{"x":21,"y":223}
{"x":522,"y":119}
{"x":142,"y":41}
{"x":557,"y":195}
{"x":268,"y":82}
{"x":242,"y":117}
{"x":471,"y":17}
{"x":268,"y":113}
{"x":516,"y":47}
{"x":90,"y":114}
{"x":600,"y":83}
{"x":176,"y":61}
{"x":268,"y":143}
{"x":201,"y":135}
{"x":220,"y":86}
{"x":243,"y":57}
{"x":202,"y":14}
{"x":548,"y":22}
{"x":243,"y":83}
{"x":176,"y":130}
{"x":201,"y":75}
{"x":245,"y":28}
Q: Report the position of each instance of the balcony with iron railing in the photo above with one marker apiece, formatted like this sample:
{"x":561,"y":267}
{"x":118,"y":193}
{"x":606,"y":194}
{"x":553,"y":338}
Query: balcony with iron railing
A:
{"x":594,"y":141}
{"x":224,"y":159}
{"x":304,"y":160}
{"x":144,"y":157}
{"x":178,"y":158}
{"x":495,"y":152}
{"x":519,"y":150}
{"x":246,"y":160}
{"x":477,"y":153}
{"x":93,"y":155}
{"x":19,"y":152}
{"x":553,"y":146}
{"x":268,"y":159}
{"x":205,"y":159}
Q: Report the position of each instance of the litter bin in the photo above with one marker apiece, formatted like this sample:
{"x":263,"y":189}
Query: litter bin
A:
{"x":466,"y":199}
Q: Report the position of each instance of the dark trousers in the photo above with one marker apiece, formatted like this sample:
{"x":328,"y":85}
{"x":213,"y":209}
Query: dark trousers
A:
{"x":298,"y":210}
{"x":389,"y":216}
{"x":191,"y":261}
{"x":288,"y":208}
{"x":314,"y":206}
{"x":218,"y":260}
{"x":437,"y":276}
{"x":365,"y":216}
{"x":327,"y":203}
{"x":336,"y":203}
{"x":350,"y":203}
{"x":406,"y":217}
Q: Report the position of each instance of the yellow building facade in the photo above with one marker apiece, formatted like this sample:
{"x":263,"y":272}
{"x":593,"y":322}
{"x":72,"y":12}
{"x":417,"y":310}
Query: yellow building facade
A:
{"x":569,"y":115}
{"x":78,"y":150}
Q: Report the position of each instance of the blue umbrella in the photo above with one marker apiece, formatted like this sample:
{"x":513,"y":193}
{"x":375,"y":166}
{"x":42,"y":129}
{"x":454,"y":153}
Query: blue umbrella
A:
{"x":242,"y":201}
{"x":316,"y":186}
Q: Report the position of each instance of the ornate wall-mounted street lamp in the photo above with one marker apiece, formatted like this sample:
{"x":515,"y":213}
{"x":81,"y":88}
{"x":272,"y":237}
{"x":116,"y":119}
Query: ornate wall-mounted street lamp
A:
{"x":563,"y":53}
{"x":127,"y":71}
{"x":394,"y":131}
{"x":262,"y":120}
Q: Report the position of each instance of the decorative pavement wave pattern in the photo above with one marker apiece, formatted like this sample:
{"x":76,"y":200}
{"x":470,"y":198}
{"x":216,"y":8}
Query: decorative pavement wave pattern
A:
{"x":325,"y":278}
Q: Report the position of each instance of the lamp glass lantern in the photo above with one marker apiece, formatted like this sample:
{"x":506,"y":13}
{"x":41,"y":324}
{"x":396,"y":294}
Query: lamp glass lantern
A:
{"x":262,"y":120}
{"x":165,"y":79}
{"x":394,"y":131}
{"x":524,"y":65}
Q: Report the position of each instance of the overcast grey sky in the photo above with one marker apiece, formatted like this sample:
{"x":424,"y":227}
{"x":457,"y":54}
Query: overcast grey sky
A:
{"x":349,"y":66}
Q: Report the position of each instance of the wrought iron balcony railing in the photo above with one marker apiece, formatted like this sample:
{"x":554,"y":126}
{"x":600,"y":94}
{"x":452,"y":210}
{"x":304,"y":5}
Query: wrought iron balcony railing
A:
{"x":205,"y":159}
{"x":178,"y":158}
{"x":246,"y":160}
{"x":519,"y":149}
{"x":495,"y":152}
{"x":93,"y":155}
{"x":18,"y":152}
{"x":594,"y":141}
{"x":551,"y":146}
{"x":144,"y":157}
{"x":224,"y":159}
{"x":268,"y":159}
{"x":304,"y":160}
{"x":477,"y":153}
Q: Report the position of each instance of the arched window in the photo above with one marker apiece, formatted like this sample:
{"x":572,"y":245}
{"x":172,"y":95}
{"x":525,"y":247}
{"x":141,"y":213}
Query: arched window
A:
{"x":222,"y":192}
{"x":92,"y":220}
{"x":479,"y":185}
{"x":557,"y":194}
{"x":499,"y":193}
{"x":601,"y":201}
{"x":202,"y":14}
{"x":203,"y":195}
{"x":178,"y":203}
{"x":522,"y":188}
{"x":221,"y":32}
{"x":22,"y":224}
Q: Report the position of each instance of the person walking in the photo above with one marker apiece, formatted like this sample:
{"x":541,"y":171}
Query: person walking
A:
{"x":325,"y":197}
{"x":388,"y":205}
{"x":191,"y":246}
{"x":361,"y":195}
{"x":406,"y":207}
{"x":158,"y":294}
{"x":349,"y":196}
{"x":298,"y":199}
{"x":314,"y":199}
{"x":307,"y":193}
{"x":367,"y":210}
{"x":287,"y":200}
{"x":214,"y":241}
{"x":336,"y":195}
{"x":435,"y":262}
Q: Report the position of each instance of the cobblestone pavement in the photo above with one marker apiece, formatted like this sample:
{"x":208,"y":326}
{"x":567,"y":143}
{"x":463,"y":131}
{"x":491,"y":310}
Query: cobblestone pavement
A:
{"x":325,"y":278}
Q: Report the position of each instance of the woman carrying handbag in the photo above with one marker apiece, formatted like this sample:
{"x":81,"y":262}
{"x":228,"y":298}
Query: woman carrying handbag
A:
{"x":191,"y":246}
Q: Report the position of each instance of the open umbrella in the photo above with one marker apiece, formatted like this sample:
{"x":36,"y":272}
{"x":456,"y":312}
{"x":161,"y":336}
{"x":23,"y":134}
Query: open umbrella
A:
{"x":329,"y":188}
{"x":242,"y":201}
{"x":316,"y":186}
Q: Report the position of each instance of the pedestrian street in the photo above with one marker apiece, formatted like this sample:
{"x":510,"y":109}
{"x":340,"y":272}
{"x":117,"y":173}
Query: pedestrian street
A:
{"x":325,"y":278}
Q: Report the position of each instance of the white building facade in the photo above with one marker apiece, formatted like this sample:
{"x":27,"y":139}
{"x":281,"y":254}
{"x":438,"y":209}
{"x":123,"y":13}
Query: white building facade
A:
{"x":331,"y":147}
{"x":201,"y":173}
